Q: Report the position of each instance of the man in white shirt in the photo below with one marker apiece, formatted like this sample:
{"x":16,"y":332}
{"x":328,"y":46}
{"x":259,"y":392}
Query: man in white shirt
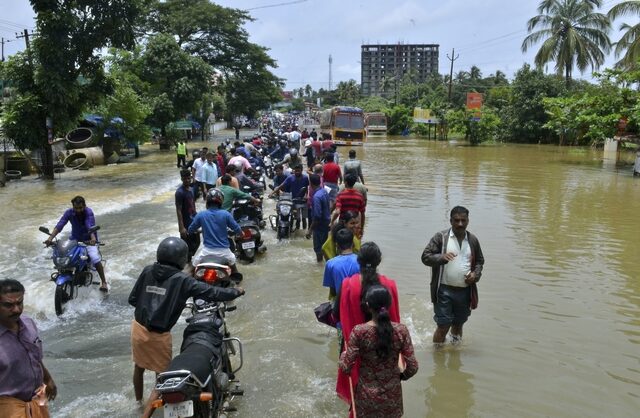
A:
{"x":197,"y":170}
{"x":456,"y":262}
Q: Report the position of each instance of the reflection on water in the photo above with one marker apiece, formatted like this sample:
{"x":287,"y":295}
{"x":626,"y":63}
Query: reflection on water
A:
{"x":556,"y":332}
{"x":450,"y":389}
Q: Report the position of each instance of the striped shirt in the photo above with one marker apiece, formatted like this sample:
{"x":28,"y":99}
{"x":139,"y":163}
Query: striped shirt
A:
{"x":350,"y":199}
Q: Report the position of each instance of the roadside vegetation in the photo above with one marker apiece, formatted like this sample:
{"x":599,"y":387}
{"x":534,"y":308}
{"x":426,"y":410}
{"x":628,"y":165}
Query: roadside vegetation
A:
{"x":153,"y":62}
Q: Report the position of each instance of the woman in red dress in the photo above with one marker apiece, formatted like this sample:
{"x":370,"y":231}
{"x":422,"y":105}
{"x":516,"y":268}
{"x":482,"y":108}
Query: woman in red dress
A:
{"x":351,"y":306}
{"x":386,"y":354}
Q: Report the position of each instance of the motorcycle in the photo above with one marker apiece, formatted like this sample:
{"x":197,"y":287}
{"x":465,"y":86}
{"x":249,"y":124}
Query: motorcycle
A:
{"x":258,"y":176}
{"x":201,"y":381}
{"x":269,"y":167}
{"x":73,"y":268}
{"x":249,"y":217}
{"x":288,"y":215}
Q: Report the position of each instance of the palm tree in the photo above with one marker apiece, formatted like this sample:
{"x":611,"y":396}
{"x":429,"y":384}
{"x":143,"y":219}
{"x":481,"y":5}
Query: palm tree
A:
{"x":308,"y":90}
{"x":475,"y":73}
{"x":629,"y":45}
{"x":572,"y":34}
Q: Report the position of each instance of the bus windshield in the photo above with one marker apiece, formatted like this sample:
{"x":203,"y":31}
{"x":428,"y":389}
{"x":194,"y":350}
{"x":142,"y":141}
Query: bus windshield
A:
{"x":349,"y":121}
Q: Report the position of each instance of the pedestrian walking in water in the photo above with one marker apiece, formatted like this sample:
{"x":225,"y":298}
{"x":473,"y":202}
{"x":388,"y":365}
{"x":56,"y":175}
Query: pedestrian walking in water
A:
{"x":350,"y":306}
{"x":386,"y":356}
{"x":181,"y":153}
{"x":456,"y":262}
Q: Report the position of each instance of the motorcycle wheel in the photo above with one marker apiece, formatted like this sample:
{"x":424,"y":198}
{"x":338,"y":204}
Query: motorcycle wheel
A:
{"x":203,"y":410}
{"x":62,"y":296}
{"x":283,"y":233}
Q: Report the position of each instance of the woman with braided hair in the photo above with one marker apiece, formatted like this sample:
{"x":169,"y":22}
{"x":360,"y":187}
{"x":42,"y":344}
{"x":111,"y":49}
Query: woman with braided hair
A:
{"x":378,"y":344}
{"x":351,"y":308}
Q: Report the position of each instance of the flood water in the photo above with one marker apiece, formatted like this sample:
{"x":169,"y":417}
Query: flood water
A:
{"x":556,"y":333}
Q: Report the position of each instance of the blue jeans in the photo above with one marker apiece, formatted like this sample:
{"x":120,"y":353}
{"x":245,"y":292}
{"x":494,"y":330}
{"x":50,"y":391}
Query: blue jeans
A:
{"x":320,"y":235}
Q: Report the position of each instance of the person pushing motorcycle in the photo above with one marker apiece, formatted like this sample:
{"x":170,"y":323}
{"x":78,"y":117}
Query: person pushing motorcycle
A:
{"x":159,"y":296}
{"x":82,"y":220}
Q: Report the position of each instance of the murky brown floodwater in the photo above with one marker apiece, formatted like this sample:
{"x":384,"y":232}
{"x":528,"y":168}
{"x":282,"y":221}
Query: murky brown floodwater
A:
{"x":557,"y":332}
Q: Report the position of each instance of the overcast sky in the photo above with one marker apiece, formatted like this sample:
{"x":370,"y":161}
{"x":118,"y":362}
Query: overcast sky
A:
{"x":301,"y":34}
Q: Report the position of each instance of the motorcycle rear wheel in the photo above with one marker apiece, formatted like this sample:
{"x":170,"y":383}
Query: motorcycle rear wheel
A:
{"x":63,"y":295}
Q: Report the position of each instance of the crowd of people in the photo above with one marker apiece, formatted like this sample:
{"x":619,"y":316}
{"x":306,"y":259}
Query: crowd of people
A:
{"x":376,"y":351}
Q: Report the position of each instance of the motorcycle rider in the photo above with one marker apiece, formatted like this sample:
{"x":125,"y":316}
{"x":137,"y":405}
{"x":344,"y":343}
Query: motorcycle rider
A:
{"x":214,"y":222}
{"x":292,"y":159}
{"x":82,"y":219}
{"x":231,"y":193}
{"x":159,"y":296}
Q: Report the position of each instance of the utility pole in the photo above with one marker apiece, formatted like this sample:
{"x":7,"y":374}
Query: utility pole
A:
{"x":2,"y":42}
{"x":451,"y":58}
{"x":330,"y":62}
{"x":25,"y":35}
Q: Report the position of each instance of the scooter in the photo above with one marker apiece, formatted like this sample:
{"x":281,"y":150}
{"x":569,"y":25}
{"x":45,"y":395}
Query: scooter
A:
{"x":201,"y":381}
{"x":73,"y":266}
{"x":249,"y":218}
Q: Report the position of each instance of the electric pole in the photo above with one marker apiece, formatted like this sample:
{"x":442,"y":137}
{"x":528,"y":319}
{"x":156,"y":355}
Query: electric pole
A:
{"x":2,"y":42}
{"x":451,"y":58}
{"x":330,"y":62}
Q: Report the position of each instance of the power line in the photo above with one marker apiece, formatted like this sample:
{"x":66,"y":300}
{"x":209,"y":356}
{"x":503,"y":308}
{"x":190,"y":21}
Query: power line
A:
{"x":278,"y":4}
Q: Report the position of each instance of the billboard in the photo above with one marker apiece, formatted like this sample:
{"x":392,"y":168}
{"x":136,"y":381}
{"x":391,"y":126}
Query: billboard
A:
{"x":424,"y":116}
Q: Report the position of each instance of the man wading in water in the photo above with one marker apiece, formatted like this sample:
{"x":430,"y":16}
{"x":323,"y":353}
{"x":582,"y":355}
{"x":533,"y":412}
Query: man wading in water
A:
{"x":456,"y":262}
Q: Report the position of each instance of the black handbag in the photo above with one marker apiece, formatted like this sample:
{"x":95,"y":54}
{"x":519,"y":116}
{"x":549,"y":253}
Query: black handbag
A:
{"x":324,"y":314}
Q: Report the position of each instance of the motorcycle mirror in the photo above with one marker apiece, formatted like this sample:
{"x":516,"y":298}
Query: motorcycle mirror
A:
{"x":94,"y":228}
{"x":271,"y":186}
{"x":44,"y":229}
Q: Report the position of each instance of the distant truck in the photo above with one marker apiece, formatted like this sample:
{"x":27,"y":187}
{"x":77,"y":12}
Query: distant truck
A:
{"x":375,"y":124}
{"x":344,"y":124}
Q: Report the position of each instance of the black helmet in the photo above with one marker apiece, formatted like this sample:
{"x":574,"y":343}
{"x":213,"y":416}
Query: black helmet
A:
{"x":195,"y":154}
{"x":215,"y":196}
{"x":173,"y":251}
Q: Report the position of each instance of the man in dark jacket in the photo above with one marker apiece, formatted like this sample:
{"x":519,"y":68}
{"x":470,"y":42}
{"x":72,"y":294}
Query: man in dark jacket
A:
{"x":456,"y":262}
{"x":159,"y":296}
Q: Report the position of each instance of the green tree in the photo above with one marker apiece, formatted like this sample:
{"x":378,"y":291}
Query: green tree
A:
{"x":308,"y":91}
{"x":525,"y":116}
{"x":216,"y":34}
{"x":399,"y":118}
{"x":572,"y":35}
{"x":629,"y":44}
{"x":131,"y":107}
{"x":176,"y":80}
{"x":61,"y":74}
{"x":347,"y":92}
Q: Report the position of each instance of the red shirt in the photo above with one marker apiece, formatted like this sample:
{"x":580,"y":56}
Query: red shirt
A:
{"x":350,"y":199}
{"x":327,"y":144}
{"x":331,"y":173}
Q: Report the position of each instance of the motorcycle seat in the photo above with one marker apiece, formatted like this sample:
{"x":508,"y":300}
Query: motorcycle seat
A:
{"x":196,"y":358}
{"x":212,"y":258}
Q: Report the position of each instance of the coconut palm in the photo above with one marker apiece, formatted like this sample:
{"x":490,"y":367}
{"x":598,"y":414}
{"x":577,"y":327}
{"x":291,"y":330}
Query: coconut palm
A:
{"x":629,"y":45}
{"x":573,"y":34}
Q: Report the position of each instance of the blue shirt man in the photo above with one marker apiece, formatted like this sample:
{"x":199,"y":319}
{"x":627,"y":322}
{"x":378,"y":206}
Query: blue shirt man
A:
{"x":320,"y":216}
{"x":295,"y":182}
{"x":215,"y":222}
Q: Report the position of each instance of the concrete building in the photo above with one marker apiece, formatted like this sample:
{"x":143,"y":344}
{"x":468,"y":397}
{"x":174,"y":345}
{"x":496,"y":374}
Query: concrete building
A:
{"x":387,"y":63}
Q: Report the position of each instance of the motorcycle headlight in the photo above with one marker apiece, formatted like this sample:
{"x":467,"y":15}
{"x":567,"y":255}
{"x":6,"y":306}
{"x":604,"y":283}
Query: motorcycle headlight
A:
{"x":62,"y":261}
{"x":285,"y":210}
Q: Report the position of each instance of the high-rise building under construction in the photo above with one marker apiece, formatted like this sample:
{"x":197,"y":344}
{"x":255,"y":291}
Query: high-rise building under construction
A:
{"x":383,"y":66}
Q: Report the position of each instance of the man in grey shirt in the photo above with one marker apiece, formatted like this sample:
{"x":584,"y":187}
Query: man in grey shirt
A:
{"x":353,"y":166}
